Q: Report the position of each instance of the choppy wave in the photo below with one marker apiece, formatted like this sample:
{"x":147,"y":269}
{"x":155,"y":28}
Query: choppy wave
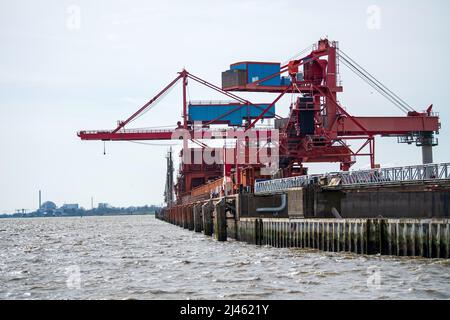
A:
{"x":138,"y":257}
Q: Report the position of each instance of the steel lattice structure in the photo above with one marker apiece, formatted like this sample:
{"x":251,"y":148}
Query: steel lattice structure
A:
{"x":317,"y":128}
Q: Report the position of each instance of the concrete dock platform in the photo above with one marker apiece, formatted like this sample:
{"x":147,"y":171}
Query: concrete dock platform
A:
{"x":416,"y":224}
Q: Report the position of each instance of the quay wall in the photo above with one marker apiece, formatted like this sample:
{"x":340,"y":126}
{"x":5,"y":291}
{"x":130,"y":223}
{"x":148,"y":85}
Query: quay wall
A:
{"x":429,"y":238}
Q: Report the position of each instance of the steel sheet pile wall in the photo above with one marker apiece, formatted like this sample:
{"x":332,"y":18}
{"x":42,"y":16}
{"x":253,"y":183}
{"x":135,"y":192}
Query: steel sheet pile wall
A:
{"x":400,"y":237}
{"x":428,"y":238}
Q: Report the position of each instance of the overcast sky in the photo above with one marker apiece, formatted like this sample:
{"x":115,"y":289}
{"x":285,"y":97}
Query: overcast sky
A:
{"x":61,"y":72}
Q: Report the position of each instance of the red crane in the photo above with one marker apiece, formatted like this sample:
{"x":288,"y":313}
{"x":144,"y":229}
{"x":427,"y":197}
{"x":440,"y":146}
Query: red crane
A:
{"x":318,"y":125}
{"x":316,"y":130}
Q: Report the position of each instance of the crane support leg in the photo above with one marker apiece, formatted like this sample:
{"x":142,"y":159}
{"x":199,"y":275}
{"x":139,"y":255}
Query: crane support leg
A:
{"x":427,"y":147}
{"x":427,"y":154}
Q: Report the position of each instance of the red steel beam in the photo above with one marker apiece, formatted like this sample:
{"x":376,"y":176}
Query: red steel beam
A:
{"x":224,"y":92}
{"x":267,"y":109}
{"x":386,"y":125}
{"x":149,"y":135}
{"x":303,"y":86}
{"x":145,"y":106}
{"x":125,"y":136}
{"x":185,"y":117}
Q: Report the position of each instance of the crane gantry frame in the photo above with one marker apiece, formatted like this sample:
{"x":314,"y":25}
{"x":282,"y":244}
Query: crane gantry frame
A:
{"x":331,"y":126}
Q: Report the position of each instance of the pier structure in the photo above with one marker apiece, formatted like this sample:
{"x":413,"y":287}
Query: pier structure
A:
{"x":257,"y":188}
{"x":403,"y":211}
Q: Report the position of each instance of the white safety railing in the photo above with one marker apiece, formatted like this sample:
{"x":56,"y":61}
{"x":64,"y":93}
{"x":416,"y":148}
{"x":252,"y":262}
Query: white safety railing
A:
{"x":275,"y":185}
{"x":212,"y":102}
{"x":439,"y":171}
{"x":428,"y":172}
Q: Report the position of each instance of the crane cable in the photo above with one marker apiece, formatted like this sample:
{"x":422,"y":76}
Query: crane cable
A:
{"x":374,"y":83}
{"x":154,"y":103}
{"x":405,"y":104}
{"x":154,"y":144}
{"x":298,"y":54}
{"x":379,"y":90}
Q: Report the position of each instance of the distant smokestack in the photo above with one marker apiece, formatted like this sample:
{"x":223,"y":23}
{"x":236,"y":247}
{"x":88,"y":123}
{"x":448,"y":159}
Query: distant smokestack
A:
{"x":40,"y":199}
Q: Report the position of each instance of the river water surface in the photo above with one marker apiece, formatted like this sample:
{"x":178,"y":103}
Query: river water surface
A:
{"x":139,"y":257}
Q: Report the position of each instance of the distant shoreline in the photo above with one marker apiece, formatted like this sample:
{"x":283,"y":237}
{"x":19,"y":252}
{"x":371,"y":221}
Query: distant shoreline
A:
{"x":112,"y":214}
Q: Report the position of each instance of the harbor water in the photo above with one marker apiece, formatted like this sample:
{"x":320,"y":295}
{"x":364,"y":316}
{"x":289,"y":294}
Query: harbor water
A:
{"x":140,"y":257}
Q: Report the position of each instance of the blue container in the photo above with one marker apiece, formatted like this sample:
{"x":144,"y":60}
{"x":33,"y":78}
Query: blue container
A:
{"x":285,"y":81}
{"x":259,"y":70}
{"x":209,"y":112}
{"x":239,"y":66}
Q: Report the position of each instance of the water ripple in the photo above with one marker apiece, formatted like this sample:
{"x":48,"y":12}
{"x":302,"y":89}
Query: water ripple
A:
{"x":138,"y":257}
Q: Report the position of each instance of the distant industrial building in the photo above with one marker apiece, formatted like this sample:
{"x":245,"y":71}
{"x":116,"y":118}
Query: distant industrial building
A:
{"x":104,"y":206}
{"x":70,"y":206}
{"x":48,"y":206}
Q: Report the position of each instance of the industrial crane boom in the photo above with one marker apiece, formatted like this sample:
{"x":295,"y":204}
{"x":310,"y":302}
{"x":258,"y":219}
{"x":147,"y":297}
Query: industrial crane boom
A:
{"x":316,"y":129}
